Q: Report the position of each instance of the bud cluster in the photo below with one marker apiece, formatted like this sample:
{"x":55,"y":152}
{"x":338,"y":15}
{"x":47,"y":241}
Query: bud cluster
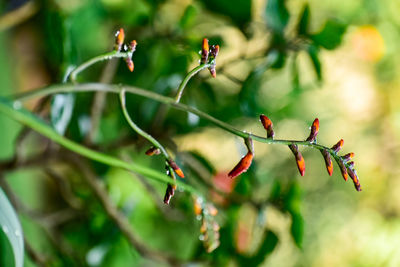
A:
{"x":121,"y":47}
{"x":209,"y":55}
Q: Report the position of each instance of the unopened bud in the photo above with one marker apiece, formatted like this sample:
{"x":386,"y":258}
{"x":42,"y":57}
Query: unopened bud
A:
{"x":314,"y":131}
{"x":268,"y":126}
{"x":301,"y":165}
{"x":338,"y":146}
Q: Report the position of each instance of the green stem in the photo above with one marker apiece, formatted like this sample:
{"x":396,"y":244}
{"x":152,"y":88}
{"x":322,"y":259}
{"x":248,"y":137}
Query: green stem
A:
{"x":186,"y":80}
{"x":90,"y":62}
{"x":166,"y":100}
{"x":14,"y":111}
{"x":137,"y":129}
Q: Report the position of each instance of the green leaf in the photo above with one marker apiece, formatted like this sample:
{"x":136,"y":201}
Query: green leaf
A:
{"x":276,"y":15}
{"x":292,"y":205}
{"x":302,"y":26}
{"x":239,"y":11}
{"x":188,"y":18}
{"x":313,"y":53}
{"x":331,"y":35}
{"x":267,"y":246}
{"x":11,"y":227}
{"x":297,"y":228}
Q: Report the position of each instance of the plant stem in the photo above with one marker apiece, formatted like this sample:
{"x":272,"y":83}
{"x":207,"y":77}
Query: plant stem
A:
{"x":186,"y":80}
{"x":89,"y":87}
{"x":137,"y":129}
{"x":23,"y":116}
{"x":90,"y":62}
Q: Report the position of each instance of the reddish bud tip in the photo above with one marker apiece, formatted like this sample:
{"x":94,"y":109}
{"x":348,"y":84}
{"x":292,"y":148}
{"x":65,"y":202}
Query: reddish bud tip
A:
{"x":129,"y":64}
{"x":213,"y":72}
{"x":328,"y":161}
{"x":212,"y":210}
{"x":153,"y":151}
{"x":176,"y":168}
{"x":197,"y":207}
{"x":354,"y":177}
{"x":169,"y":193}
{"x":301,"y":165}
{"x":338,"y":146}
{"x":119,"y":40}
{"x":132,"y":46}
{"x":242,"y":166}
{"x":268,"y":126}
{"x":204,"y":51}
{"x":343,"y":169}
{"x":314,"y":131}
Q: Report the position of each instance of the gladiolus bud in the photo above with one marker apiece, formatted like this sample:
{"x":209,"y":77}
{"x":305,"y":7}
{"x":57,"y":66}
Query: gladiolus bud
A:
{"x":242,"y":166}
{"x":328,"y":161}
{"x":129,"y":64}
{"x":176,"y":168}
{"x":301,"y":165}
{"x":348,"y":156}
{"x":343,"y":169}
{"x":169,"y":193}
{"x":204,"y":51}
{"x":153,"y":151}
{"x":314,"y":131}
{"x":119,"y":40}
{"x":268,"y":126}
{"x":338,"y":146}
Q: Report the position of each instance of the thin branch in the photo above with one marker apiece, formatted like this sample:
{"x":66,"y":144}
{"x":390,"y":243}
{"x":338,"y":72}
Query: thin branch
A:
{"x":184,"y":82}
{"x":114,"y":214}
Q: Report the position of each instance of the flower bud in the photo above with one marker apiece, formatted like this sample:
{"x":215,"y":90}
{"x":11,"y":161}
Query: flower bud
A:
{"x":129,"y":64}
{"x":328,"y":161}
{"x":119,"y":39}
{"x":242,"y":166}
{"x":314,"y":131}
{"x":301,"y":165}
{"x":204,"y":51}
{"x":348,"y":156}
{"x":169,"y":193}
{"x":153,"y":151}
{"x":338,"y":146}
{"x":132,"y":46}
{"x":176,"y":168}
{"x":343,"y":169}
{"x":354,"y":177}
{"x":268,"y":126}
{"x":214,"y":50}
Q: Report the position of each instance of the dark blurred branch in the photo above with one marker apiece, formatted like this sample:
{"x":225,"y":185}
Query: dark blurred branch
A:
{"x":18,"y":15}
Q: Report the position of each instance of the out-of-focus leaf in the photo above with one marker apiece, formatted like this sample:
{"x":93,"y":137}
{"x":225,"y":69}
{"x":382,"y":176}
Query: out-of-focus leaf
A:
{"x":331,"y":35}
{"x":292,"y":205}
{"x":295,"y":75}
{"x":188,"y":17}
{"x":239,"y":11}
{"x":302,"y":26}
{"x":276,"y":15}
{"x":62,"y":106}
{"x":11,"y":227}
{"x":267,"y":246}
{"x":297,"y":228}
{"x":249,"y":93}
{"x":313,"y":53}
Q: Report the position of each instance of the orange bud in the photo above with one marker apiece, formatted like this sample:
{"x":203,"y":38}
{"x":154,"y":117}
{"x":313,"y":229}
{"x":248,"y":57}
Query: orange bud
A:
{"x":301,"y":165}
{"x":204,"y":51}
{"x":197,"y":207}
{"x":268,"y":126}
{"x":132,"y":46}
{"x":214,"y":51}
{"x":354,"y":177}
{"x":213,"y":71}
{"x":242,"y":166}
{"x":119,"y":40}
{"x":176,"y":168}
{"x":153,"y":151}
{"x":129,"y":64}
{"x":343,"y":169}
{"x":328,"y":161}
{"x":348,"y":156}
{"x":314,"y":131}
{"x":212,"y":210}
{"x":338,"y":146}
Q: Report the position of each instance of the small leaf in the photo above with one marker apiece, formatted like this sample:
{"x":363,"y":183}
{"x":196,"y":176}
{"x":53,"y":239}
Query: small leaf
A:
{"x":313,"y":53}
{"x":302,"y":26}
{"x":297,"y":228}
{"x":331,"y":35}
{"x":188,"y":17}
{"x":276,"y":15}
{"x":11,"y":227}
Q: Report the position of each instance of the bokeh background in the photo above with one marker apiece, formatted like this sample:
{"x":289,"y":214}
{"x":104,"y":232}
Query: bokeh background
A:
{"x":291,"y":60}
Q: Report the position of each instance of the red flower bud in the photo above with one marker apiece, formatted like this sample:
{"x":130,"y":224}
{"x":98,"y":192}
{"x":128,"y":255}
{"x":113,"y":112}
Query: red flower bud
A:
{"x":354,"y":177}
{"x":214,"y":51}
{"x":176,"y":168}
{"x":314,"y":131}
{"x":204,"y":51}
{"x":242,"y":166}
{"x":169,"y":193}
{"x":129,"y":64}
{"x":132,"y":46}
{"x":213,"y":71}
{"x":197,"y":207}
{"x":328,"y":161}
{"x":338,"y":146}
{"x":153,"y":151}
{"x":348,"y":156}
{"x":119,"y":40}
{"x":301,"y":165}
{"x":268,"y":126}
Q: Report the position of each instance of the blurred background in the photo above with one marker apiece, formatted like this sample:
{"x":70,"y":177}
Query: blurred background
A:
{"x":293,"y":61}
